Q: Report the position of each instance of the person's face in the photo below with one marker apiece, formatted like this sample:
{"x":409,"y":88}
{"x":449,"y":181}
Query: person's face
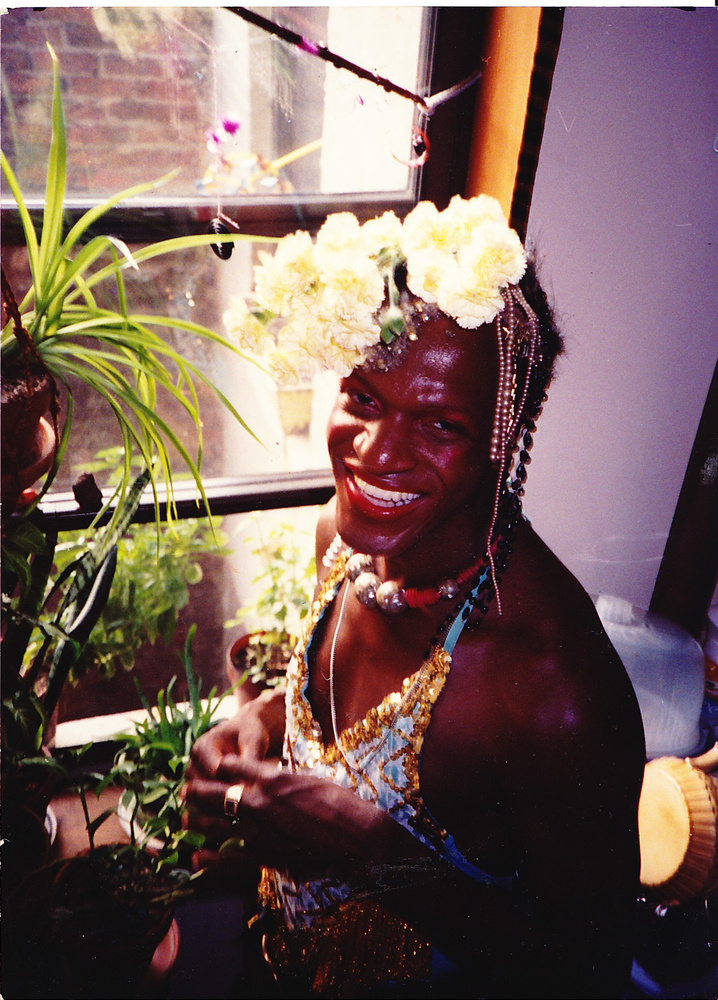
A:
{"x":410,"y":449}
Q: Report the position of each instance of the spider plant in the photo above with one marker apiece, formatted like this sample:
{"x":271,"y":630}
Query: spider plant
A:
{"x":121,"y":355}
{"x":59,"y":329}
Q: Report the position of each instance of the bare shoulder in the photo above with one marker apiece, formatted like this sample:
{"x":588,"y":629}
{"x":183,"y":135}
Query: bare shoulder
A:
{"x":547,"y":673}
{"x":539,"y":719}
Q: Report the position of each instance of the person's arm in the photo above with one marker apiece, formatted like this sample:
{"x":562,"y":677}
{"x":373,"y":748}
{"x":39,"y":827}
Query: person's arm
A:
{"x":572,"y":778}
{"x":296,"y":821}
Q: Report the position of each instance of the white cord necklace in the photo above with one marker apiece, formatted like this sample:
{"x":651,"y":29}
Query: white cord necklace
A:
{"x":351,"y":763}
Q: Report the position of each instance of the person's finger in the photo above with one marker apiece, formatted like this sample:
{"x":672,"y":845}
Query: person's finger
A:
{"x":204,"y":801}
{"x":208,"y":751}
{"x":240,"y":768}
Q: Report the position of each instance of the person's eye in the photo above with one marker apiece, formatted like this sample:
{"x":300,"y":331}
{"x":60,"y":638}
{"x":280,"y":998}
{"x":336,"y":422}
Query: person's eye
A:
{"x":446,"y":429}
{"x":357,"y":399}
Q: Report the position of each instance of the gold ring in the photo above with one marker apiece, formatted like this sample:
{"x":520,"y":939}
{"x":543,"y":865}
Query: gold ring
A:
{"x":232,"y":798}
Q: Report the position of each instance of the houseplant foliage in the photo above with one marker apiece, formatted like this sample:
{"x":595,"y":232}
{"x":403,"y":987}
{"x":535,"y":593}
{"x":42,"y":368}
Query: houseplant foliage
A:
{"x":64,"y":612}
{"x":275,"y":618}
{"x":152,"y":583}
{"x":88,"y":926}
{"x":151,"y":762}
{"x":57,"y":331}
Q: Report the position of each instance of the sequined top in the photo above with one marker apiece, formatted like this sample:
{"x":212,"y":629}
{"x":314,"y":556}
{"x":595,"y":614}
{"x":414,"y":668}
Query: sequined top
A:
{"x":336,"y":933}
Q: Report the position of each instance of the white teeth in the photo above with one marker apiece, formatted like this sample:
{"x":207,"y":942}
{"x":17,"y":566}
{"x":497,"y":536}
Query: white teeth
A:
{"x":392,"y":498}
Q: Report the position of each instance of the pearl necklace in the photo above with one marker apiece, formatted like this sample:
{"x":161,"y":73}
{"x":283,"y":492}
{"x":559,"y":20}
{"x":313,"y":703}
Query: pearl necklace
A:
{"x":390,"y":597}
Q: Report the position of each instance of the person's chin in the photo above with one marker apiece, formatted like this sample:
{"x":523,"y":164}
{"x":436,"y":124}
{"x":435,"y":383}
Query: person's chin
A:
{"x":378,"y":529}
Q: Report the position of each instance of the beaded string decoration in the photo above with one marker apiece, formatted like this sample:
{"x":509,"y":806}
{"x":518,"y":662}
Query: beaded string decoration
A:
{"x":393,"y":599}
{"x":513,"y":342}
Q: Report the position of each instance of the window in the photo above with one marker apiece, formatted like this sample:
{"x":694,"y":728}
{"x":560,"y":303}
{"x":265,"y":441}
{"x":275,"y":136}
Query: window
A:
{"x":249,"y":126}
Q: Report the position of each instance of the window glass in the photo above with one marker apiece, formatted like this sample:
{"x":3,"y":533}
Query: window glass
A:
{"x":233,"y":109}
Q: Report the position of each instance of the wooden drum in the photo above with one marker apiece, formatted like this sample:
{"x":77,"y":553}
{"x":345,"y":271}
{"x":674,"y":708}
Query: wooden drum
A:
{"x":678,"y":828}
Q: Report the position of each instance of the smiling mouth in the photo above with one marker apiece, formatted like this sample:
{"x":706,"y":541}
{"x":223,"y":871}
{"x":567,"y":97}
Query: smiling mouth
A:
{"x":384,"y":498}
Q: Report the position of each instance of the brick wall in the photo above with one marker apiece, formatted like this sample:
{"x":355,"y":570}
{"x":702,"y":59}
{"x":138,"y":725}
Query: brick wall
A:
{"x":136,"y":107}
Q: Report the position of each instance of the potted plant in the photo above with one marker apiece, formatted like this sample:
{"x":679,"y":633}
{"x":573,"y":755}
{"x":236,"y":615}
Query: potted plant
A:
{"x":89,"y":925}
{"x":151,"y":762}
{"x":57,"y":330}
{"x":275,"y":617}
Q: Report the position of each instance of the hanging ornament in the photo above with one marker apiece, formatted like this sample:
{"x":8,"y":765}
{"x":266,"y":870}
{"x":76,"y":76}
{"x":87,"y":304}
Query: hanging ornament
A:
{"x":420,"y":147}
{"x":223,"y":250}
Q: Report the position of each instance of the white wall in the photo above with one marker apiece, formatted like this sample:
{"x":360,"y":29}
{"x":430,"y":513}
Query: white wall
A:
{"x":625,"y":222}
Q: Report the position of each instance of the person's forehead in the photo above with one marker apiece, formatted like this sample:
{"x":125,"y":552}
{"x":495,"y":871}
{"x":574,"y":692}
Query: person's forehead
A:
{"x":445,"y":365}
{"x":446,"y":351}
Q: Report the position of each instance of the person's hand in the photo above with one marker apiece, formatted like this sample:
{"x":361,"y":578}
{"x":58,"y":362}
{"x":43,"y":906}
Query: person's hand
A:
{"x":285,"y":820}
{"x":255,"y":733}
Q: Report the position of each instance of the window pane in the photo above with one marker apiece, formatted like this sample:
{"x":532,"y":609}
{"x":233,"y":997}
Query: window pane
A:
{"x":236,"y":111}
{"x":145,"y":91}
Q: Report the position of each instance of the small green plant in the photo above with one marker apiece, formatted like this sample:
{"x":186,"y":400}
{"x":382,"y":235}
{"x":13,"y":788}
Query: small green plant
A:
{"x":151,"y":762}
{"x":275,"y":618}
{"x":61,"y":614}
{"x":152,"y":583}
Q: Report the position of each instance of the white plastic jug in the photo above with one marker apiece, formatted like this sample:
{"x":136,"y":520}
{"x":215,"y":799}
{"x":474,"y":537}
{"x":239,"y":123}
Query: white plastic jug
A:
{"x":667,"y":668}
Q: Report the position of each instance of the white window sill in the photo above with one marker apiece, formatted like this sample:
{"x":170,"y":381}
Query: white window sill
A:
{"x":103,"y":728}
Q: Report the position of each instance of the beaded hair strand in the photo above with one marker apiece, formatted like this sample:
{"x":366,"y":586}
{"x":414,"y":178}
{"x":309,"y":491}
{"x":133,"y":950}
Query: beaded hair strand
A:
{"x":515,"y":339}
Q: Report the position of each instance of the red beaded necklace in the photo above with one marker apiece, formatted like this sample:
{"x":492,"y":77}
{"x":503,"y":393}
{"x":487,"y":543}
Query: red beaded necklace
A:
{"x":392,"y":598}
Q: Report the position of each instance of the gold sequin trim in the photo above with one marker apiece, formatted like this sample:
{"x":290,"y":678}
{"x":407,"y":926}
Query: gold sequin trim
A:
{"x":355,"y":945}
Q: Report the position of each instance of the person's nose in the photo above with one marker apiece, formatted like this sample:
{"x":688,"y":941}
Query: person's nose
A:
{"x":383,"y":445}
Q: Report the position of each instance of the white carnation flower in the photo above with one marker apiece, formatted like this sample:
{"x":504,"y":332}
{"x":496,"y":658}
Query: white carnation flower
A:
{"x":469,"y":309}
{"x":290,"y":273}
{"x":243,"y":328}
{"x":496,"y":257}
{"x":383,"y":236}
{"x":352,"y":282}
{"x":341,"y":231}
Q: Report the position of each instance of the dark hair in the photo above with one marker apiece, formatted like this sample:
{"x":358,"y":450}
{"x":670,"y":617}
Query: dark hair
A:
{"x":550,"y":343}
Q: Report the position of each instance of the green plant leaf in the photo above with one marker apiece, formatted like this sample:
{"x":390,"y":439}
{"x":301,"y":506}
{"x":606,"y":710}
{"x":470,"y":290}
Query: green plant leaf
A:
{"x":56,"y":177}
{"x":28,"y":227}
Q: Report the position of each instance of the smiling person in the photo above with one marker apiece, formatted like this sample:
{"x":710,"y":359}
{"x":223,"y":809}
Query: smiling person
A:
{"x":455,"y":812}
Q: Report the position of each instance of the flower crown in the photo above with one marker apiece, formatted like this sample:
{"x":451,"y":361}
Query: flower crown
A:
{"x":326,"y":304}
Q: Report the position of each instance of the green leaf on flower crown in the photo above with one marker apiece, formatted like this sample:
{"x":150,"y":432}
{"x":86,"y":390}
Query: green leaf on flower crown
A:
{"x":392,"y":326}
{"x":263,"y":315}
